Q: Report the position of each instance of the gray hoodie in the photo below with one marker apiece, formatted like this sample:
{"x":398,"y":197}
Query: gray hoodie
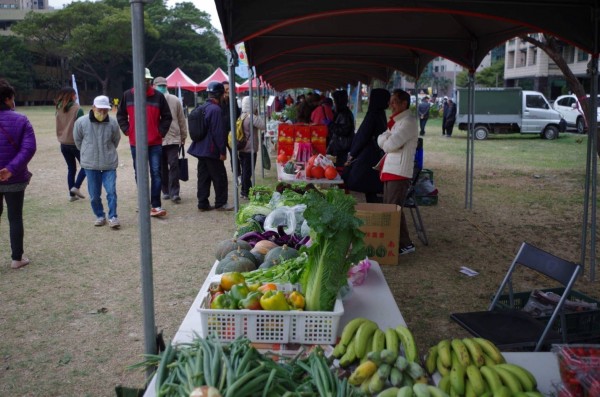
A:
{"x":97,"y":142}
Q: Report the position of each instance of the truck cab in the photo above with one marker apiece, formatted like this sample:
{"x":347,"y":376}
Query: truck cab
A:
{"x":508,"y":110}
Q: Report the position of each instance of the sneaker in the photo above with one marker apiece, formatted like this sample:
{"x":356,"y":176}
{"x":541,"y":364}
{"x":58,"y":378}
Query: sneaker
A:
{"x":225,"y":207}
{"x":176,"y":199}
{"x":19,"y":264}
{"x":73,"y":198}
{"x":114,"y":223}
{"x":204,"y":209}
{"x":408,"y":249}
{"x":158,"y":211}
{"x":77,"y":193}
{"x":166,"y":197}
{"x":100,"y":221}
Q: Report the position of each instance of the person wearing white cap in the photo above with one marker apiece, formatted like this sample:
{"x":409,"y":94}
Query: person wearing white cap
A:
{"x":158,"y":122}
{"x":97,"y":137}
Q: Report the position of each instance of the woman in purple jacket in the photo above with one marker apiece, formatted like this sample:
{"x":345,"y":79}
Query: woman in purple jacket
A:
{"x":17,"y":147}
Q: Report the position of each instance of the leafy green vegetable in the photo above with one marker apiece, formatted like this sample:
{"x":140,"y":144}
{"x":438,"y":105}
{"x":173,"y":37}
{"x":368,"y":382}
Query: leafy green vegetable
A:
{"x":288,"y":271}
{"x":246,"y":212}
{"x":260,"y":194}
{"x":337,"y":242}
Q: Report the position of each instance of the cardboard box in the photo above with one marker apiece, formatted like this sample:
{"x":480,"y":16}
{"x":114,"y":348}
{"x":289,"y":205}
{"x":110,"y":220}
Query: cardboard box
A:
{"x":382,"y":231}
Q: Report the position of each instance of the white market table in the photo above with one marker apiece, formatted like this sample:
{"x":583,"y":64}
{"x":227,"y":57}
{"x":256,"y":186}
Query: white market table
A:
{"x":290,"y":178}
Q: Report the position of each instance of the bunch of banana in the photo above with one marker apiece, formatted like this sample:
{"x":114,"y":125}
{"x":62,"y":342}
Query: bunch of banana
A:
{"x":362,"y":336}
{"x":417,"y":390}
{"x":386,"y":368}
{"x":475,"y":351}
{"x":474,"y":367}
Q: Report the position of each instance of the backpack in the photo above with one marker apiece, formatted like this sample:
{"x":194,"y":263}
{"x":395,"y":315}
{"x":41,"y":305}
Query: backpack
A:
{"x":197,"y":123}
{"x":240,"y":137}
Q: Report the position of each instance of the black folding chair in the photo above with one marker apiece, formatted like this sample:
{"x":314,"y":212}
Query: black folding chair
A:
{"x":411,"y":203}
{"x":512,"y":328}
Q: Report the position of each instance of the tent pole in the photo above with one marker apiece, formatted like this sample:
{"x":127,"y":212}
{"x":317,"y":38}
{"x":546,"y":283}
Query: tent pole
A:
{"x":141,"y":161}
{"x":231,"y":64}
{"x":251,"y":74}
{"x":470,"y":142}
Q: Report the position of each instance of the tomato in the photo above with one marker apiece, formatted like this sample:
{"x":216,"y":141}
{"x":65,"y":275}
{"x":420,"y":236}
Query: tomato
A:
{"x":282,"y":158}
{"x":330,"y":172}
{"x":317,"y":172}
{"x":308,"y":171}
{"x":230,"y":279}
{"x":311,"y":160}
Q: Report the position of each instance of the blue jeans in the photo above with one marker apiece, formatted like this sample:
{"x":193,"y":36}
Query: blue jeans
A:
{"x":71,"y":155}
{"x":108,"y":179}
{"x":154,"y":159}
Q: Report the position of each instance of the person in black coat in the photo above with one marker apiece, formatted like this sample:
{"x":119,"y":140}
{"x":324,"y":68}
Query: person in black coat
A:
{"x":449,"y":117}
{"x":359,"y":174}
{"x":341,"y":129}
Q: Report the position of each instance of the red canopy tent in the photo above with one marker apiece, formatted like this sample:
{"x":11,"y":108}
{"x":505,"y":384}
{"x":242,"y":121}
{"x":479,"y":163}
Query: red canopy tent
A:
{"x":245,"y":86}
{"x":182,"y":80}
{"x":218,"y":76}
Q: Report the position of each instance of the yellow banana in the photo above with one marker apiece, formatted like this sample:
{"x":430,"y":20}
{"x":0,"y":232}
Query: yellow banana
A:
{"x":363,"y":334}
{"x":391,"y":340}
{"x":431,"y":359}
{"x":442,"y":369}
{"x":378,"y":341}
{"x":363,"y":372}
{"x":350,"y":329}
{"x":491,"y":350}
{"x":408,"y":342}
{"x":491,"y":377}
{"x":457,"y":379}
{"x":444,"y":352}
{"x":461,"y":352}
{"x":475,"y":351}
{"x":508,"y":379}
{"x":526,"y":378}
{"x":475,"y":380}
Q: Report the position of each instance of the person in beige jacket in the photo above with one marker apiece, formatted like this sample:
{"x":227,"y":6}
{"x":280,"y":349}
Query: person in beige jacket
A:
{"x":396,"y":167}
{"x":250,"y":151}
{"x":172,"y":142}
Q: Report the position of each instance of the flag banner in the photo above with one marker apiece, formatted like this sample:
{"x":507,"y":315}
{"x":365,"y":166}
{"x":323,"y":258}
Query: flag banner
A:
{"x":75,"y":88}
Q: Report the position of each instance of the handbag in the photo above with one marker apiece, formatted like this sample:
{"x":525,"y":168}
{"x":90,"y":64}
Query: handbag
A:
{"x":184,"y":174}
{"x":266,"y":160}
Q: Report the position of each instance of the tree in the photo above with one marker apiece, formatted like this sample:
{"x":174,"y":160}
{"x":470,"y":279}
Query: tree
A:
{"x":492,"y":76}
{"x":15,"y":63}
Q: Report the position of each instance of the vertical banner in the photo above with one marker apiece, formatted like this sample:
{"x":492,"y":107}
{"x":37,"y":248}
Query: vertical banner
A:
{"x":242,"y":67}
{"x":75,"y":88}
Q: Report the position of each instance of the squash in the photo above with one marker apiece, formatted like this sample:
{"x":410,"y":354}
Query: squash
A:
{"x":264,"y":246}
{"x":243,"y":253}
{"x":279,"y":254}
{"x":226,"y":246}
{"x":235,"y":264}
{"x":260,"y":258}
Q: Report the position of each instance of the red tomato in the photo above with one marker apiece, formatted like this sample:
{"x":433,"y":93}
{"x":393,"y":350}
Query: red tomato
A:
{"x":311,"y":160}
{"x":317,"y":172}
{"x":282,"y":158}
{"x":308,"y":171}
{"x":330,"y":172}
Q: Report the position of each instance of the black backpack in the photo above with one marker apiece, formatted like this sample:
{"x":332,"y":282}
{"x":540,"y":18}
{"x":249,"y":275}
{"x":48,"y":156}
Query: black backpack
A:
{"x":197,"y":123}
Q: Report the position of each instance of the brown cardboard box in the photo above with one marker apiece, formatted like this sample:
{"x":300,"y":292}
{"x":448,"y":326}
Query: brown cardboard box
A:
{"x":382,"y":231}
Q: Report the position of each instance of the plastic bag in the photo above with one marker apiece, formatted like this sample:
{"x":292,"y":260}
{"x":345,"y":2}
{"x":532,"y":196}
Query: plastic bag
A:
{"x":357,"y":274}
{"x":288,"y":217}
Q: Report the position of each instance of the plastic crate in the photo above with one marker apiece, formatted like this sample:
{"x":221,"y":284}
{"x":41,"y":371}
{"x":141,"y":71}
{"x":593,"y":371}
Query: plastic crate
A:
{"x":267,"y":326}
{"x":576,"y":363}
{"x":580,"y":325}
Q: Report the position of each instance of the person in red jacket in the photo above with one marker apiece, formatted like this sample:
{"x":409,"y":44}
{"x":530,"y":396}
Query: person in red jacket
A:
{"x":158,"y":121}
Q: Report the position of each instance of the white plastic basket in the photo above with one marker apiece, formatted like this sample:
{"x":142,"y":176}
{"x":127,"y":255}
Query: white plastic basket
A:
{"x":268,"y":326}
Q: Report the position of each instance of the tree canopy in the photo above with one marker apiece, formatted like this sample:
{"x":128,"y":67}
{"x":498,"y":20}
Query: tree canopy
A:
{"x":15,"y":63}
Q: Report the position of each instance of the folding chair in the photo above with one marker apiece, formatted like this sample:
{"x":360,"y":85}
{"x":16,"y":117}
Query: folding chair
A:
{"x":511,"y":328}
{"x":411,"y":203}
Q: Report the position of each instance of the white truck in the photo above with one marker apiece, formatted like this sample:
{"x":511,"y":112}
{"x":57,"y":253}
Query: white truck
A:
{"x":508,"y":110}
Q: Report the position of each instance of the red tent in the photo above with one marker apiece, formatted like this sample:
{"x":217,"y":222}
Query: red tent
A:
{"x":245,"y":86}
{"x":182,"y":80}
{"x":218,"y":76}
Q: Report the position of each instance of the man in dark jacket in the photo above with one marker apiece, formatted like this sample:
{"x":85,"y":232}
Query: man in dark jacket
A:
{"x":341,"y":129}
{"x":449,"y":117}
{"x":211,"y":153}
{"x":158,"y":121}
{"x":423,"y":111}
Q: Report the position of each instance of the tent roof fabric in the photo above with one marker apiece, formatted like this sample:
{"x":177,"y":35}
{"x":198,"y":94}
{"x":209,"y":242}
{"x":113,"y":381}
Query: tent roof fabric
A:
{"x":179,"y":79}
{"x":399,"y":35}
{"x":218,"y":75}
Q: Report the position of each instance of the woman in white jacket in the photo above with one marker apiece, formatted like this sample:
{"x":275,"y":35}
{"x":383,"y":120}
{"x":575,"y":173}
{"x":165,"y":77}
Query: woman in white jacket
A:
{"x":250,"y":151}
{"x":396,"y":167}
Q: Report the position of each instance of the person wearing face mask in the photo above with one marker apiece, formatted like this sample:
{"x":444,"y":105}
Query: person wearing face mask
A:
{"x":178,"y":132}
{"x":158,"y":122}
{"x":97,"y":137}
{"x":17,"y":147}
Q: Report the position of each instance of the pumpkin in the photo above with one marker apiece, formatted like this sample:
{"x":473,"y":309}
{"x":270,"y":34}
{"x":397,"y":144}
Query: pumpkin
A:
{"x":279,"y":254}
{"x":243,"y":253}
{"x":330,"y":172}
{"x":260,"y":258}
{"x":226,"y":246}
{"x":264,"y":246}
{"x":235,"y":264}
